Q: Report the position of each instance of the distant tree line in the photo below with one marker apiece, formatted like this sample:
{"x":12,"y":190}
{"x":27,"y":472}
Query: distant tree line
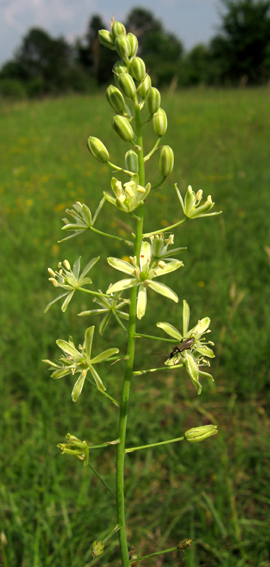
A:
{"x":239,"y":54}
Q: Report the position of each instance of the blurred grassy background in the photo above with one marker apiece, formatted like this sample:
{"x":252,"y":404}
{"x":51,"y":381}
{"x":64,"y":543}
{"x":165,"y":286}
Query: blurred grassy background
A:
{"x":217,"y":492}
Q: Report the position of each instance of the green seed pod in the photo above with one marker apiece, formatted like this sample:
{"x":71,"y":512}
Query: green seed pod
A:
{"x":115,"y":99}
{"x":166,"y":161}
{"x":97,"y":149}
{"x":133,"y":44}
{"x":137,"y":68}
{"x":127,"y":85}
{"x":159,"y":122}
{"x":106,"y":39}
{"x":122,"y":46}
{"x":144,"y":86}
{"x":132,"y":161}
{"x":118,"y":29}
{"x":153,"y":100}
{"x":123,"y":128}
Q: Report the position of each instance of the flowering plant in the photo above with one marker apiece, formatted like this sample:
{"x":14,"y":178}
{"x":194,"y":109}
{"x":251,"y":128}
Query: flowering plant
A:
{"x":149,"y":260}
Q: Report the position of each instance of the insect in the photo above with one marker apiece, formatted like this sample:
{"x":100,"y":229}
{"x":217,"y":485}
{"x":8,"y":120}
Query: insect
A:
{"x":184,"y":345}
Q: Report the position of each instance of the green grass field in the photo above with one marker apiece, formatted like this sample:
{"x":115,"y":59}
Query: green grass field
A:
{"x":216,"y":492}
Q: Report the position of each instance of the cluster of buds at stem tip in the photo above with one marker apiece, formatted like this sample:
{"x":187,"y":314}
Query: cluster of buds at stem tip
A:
{"x":197,"y":434}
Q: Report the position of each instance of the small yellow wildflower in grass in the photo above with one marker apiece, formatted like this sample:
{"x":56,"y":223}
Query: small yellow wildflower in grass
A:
{"x":55,"y":249}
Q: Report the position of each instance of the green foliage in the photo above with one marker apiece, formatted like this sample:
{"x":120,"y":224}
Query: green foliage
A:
{"x":13,"y":89}
{"x":242,"y":49}
{"x":220,"y":140}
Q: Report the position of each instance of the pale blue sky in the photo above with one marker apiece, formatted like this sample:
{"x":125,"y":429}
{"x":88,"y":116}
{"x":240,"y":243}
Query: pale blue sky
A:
{"x":193,"y":21}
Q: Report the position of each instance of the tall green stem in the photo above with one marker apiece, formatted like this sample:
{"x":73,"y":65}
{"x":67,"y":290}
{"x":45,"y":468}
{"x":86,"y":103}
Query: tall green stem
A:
{"x":129,"y":366}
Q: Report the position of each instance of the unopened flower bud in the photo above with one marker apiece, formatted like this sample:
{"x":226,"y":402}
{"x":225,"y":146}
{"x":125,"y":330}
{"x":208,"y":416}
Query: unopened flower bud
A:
{"x":166,"y":161}
{"x":144,"y":86}
{"x":97,"y":548}
{"x":131,"y":161}
{"x":196,"y":434}
{"x":133,"y":42}
{"x":119,"y":67}
{"x":123,"y":128}
{"x":118,"y":29}
{"x":127,"y":85}
{"x":153,"y":100}
{"x":115,"y":99}
{"x":122,"y":46}
{"x":159,"y":122}
{"x":97,"y":149}
{"x":137,"y":68}
{"x":106,"y":38}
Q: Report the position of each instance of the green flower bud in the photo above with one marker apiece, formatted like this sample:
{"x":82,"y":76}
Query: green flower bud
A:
{"x":106,"y":39}
{"x":127,"y":85}
{"x":97,"y":548}
{"x":97,"y":149}
{"x":131,"y":161}
{"x":137,"y":69}
{"x":122,"y":46}
{"x":159,"y":122}
{"x":196,"y":434}
{"x":166,"y":161}
{"x":119,"y":67}
{"x":123,"y":128}
{"x":144,"y":86}
{"x":118,"y":29}
{"x":115,"y":99}
{"x":153,"y":100}
{"x":133,"y":43}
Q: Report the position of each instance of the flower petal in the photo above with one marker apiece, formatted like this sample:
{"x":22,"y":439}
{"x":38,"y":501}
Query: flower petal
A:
{"x":201,"y":326}
{"x":68,"y":348}
{"x":54,"y":301}
{"x":170,"y":330}
{"x":76,"y":267}
{"x":121,"y":265}
{"x":98,"y":381}
{"x":78,"y":386}
{"x":88,"y":267}
{"x":88,"y":340}
{"x":205,"y":351}
{"x":104,"y":355}
{"x":170,"y":267}
{"x":122,"y":284}
{"x":193,"y":370}
{"x":141,"y":301}
{"x":60,"y":373}
{"x":186,"y":315}
{"x":104,"y":322}
{"x":67,"y":301}
{"x":164,"y":290}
